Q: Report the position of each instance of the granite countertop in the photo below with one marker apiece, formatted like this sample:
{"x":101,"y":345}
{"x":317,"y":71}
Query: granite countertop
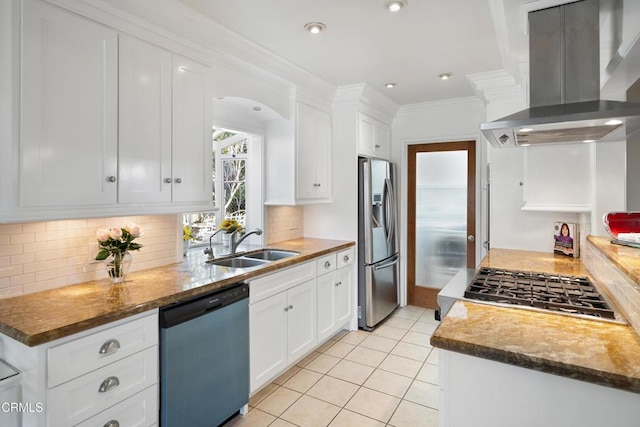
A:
{"x":625,"y":258}
{"x":590,"y":350}
{"x":41,"y":317}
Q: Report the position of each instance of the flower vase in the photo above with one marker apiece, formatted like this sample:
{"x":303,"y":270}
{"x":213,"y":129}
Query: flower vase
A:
{"x":226,"y":238}
{"x":117,"y":266}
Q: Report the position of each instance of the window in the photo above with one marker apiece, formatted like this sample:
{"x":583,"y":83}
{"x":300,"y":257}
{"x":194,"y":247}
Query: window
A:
{"x":232,"y":153}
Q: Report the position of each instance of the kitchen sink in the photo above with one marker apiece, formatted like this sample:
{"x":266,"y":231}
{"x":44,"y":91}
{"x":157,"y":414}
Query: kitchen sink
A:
{"x":270,"y":254}
{"x":238,"y":262}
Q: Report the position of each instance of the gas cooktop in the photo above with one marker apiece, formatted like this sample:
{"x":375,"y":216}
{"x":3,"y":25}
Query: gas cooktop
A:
{"x":548,"y":292}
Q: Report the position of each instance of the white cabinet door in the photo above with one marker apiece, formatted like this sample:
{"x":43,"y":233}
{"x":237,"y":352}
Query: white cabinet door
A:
{"x":192,"y":124}
{"x":144,"y":147}
{"x":326,"y":306}
{"x":313,"y":162}
{"x":68,"y":125}
{"x":343,"y":295}
{"x":374,"y":137}
{"x":301,"y":321}
{"x":268,"y":338}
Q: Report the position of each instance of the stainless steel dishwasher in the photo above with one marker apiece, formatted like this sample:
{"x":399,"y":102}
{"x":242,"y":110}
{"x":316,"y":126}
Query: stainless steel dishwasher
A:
{"x":204,"y":358}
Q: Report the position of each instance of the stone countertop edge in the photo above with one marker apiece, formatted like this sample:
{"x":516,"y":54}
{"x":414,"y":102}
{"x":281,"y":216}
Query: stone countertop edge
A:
{"x":626,"y":258}
{"x":45,"y":316}
{"x":597,"y":352}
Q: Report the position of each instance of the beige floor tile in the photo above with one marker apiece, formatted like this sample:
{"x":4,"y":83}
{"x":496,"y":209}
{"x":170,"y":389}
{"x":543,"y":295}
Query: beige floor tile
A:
{"x":303,"y":380}
{"x":417,"y":338}
{"x":333,"y":390}
{"x":309,"y":411}
{"x":373,"y":404}
{"x":401,"y":365}
{"x":366,"y":356}
{"x":340,"y":349}
{"x":288,"y":374}
{"x":429,"y":317}
{"x":428,"y":373}
{"x":279,"y":422}
{"x":389,"y":332}
{"x":352,"y":372}
{"x":433,"y":357}
{"x":255,"y":418}
{"x":379,"y":343}
{"x":405,"y":313}
{"x":308,"y":359}
{"x":354,"y":337}
{"x":323,"y":363}
{"x":415,"y":308}
{"x":388,"y":382}
{"x":425,"y":394}
{"x":259,"y":396}
{"x":338,"y":336}
{"x":351,"y":419}
{"x":411,"y":351}
{"x":278,"y":401}
{"x":410,"y":414}
{"x":424,"y":327}
{"x":326,"y":346}
{"x":398,"y":322}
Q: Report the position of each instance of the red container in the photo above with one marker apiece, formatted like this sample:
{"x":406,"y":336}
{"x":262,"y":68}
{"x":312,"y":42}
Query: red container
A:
{"x":621,"y":222}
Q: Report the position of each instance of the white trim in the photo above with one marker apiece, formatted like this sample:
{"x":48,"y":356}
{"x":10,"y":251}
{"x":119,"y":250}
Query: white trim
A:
{"x":452,"y":102}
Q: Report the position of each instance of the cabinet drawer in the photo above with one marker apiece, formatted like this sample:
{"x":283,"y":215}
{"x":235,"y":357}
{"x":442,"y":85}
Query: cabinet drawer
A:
{"x":346,"y":257}
{"x":281,"y":281}
{"x":326,"y":264}
{"x":74,"y":358}
{"x":140,"y":410}
{"x":83,"y":397}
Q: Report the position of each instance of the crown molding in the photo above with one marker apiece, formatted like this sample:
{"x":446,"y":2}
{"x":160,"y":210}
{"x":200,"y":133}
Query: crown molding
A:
{"x":452,"y":102}
{"x":364,"y":97}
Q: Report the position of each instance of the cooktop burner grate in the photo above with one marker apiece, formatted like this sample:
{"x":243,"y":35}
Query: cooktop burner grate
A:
{"x":564,"y":294}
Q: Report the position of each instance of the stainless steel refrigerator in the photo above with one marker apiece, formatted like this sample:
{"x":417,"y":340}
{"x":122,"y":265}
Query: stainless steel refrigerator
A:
{"x":377,"y":242}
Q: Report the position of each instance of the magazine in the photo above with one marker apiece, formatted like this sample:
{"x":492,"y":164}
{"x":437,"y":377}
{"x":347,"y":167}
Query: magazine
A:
{"x":566,"y":237}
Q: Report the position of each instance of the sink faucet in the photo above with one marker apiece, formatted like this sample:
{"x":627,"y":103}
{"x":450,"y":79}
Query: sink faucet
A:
{"x":235,"y":243}
{"x":209,"y":250}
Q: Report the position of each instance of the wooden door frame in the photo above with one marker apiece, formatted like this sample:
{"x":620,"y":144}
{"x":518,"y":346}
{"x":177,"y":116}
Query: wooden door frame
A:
{"x":422,"y":296}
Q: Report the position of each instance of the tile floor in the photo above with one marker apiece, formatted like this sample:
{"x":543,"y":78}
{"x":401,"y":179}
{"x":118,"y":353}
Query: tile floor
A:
{"x":385,"y":377}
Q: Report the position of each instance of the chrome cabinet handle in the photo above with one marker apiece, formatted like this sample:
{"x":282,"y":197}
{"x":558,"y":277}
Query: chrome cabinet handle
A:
{"x":167,"y":180}
{"x":290,"y":306}
{"x":111,"y":178}
{"x":110,"y":346}
{"x":109,"y":384}
{"x":327,"y":264}
{"x":178,"y":180}
{"x":338,"y":283}
{"x":286,"y":309}
{"x":112,"y":423}
{"x":377,"y":145}
{"x":346,"y":258}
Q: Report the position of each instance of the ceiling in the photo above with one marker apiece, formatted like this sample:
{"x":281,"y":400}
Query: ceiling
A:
{"x":363,"y":42}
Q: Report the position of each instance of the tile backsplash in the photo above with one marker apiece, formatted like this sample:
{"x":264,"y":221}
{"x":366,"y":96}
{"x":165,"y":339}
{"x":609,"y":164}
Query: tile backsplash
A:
{"x":283,"y":223}
{"x":46,"y":255}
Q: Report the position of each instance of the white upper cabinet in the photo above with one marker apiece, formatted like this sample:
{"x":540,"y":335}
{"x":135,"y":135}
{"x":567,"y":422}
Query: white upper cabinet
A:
{"x":313,"y":165}
{"x":69,"y":94}
{"x":144,"y":155}
{"x":192,"y":145}
{"x":374,"y":137}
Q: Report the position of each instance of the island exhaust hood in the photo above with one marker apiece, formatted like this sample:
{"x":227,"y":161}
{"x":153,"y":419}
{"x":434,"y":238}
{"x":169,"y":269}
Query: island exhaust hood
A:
{"x":564,"y":85}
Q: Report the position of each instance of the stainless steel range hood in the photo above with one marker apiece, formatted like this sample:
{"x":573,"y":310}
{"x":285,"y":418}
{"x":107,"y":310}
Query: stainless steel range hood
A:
{"x":564,"y":85}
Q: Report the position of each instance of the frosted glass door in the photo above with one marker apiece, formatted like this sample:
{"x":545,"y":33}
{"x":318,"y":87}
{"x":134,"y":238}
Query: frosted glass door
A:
{"x":441,"y":217}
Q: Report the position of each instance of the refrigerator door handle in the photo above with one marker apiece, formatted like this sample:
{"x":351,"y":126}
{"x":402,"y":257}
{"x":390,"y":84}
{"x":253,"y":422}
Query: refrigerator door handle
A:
{"x":390,"y":211}
{"x":387,"y":264}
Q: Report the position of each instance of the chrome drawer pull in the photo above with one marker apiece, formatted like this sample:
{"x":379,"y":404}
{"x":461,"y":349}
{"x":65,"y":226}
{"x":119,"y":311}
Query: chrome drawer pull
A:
{"x":327,"y":264}
{"x":346,"y":258}
{"x":112,"y":423}
{"x":291,"y":307}
{"x":109,"y":384}
{"x":338,"y":283}
{"x":286,"y":309}
{"x":110,"y":346}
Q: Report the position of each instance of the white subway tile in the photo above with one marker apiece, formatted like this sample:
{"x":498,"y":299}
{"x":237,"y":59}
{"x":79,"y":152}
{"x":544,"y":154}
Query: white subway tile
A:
{"x":22,"y":259}
{"x":18,"y":239}
{"x":22,"y":279}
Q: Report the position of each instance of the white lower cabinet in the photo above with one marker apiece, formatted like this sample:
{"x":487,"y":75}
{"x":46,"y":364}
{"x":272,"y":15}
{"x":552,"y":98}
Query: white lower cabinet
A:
{"x":335,"y":293}
{"x":282,"y":329}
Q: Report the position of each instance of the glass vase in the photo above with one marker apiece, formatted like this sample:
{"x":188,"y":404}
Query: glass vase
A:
{"x":117,"y":266}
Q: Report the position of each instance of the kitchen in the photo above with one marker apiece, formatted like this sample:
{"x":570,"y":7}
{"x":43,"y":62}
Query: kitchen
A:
{"x":239,"y":69}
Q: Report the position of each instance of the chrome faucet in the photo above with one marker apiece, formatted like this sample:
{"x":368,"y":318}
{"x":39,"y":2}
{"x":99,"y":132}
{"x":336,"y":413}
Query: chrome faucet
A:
{"x":209,"y":250}
{"x":235,"y":243}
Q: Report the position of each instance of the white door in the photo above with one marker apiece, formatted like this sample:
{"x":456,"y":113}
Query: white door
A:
{"x":144,"y":147}
{"x":343,"y":295}
{"x":68,"y":124}
{"x":192,"y":130}
{"x":301,"y":321}
{"x":268,"y":339}
{"x":326,"y":305}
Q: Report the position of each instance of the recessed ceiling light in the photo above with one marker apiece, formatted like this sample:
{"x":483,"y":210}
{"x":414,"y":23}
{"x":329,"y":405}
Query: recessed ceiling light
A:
{"x":586,"y":141}
{"x":315,"y":27}
{"x":389,"y":85}
{"x":257,"y":108}
{"x":525,"y":130}
{"x":613,"y":122}
{"x":445,"y":76}
{"x":394,"y":5}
